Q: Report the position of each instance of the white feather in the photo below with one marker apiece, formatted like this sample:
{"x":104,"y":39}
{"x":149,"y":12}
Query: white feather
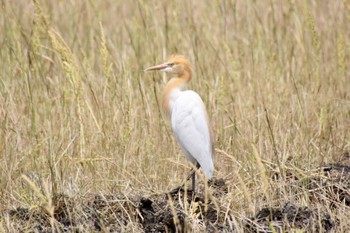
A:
{"x":189,"y":122}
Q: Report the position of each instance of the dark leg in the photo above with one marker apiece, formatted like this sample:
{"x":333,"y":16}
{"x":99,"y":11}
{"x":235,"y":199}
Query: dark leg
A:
{"x":194,"y":182}
{"x":193,"y":176}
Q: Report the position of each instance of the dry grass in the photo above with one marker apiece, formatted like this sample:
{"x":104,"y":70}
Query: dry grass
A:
{"x":78,"y":115}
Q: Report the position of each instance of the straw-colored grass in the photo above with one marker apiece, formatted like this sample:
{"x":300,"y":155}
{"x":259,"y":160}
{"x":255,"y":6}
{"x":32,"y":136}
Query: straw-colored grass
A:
{"x":78,"y":115}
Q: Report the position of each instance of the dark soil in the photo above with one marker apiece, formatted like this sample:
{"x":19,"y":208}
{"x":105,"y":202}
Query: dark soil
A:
{"x":289,"y":216}
{"x":166,"y":212}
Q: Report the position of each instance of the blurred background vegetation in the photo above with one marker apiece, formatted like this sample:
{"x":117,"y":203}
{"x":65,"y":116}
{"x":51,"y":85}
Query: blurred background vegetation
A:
{"x":78,"y":114}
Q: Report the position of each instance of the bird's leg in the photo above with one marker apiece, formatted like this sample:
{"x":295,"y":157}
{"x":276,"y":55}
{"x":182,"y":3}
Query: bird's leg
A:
{"x":181,"y":187}
{"x":193,"y":176}
{"x":194,"y":182}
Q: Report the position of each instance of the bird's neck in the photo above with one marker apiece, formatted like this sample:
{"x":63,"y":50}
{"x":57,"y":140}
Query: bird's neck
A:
{"x":175,"y":84}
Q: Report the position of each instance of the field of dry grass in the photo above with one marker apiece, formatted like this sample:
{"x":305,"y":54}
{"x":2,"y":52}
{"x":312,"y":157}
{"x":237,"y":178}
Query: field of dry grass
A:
{"x":84,"y":145}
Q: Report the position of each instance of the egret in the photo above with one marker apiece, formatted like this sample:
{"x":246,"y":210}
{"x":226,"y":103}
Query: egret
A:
{"x":188,"y":116}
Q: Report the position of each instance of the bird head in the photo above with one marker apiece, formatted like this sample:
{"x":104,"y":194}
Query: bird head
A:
{"x":176,"y":65}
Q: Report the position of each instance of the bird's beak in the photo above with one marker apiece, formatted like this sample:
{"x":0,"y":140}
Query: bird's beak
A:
{"x":157,"y":67}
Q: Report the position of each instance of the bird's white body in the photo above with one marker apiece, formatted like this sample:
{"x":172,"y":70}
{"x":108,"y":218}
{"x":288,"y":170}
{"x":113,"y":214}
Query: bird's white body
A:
{"x":189,"y":122}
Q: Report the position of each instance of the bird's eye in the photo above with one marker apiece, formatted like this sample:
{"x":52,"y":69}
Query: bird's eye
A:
{"x":171,"y":64}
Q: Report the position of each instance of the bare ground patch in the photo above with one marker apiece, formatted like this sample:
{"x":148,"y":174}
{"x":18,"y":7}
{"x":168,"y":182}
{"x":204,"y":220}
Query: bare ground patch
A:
{"x":177,"y":212}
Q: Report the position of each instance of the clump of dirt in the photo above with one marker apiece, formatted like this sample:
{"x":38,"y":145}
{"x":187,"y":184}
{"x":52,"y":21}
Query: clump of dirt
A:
{"x":169,"y":212}
{"x":166,"y":213}
{"x":219,"y":186}
{"x":158,"y":216}
{"x":331,"y":185}
{"x":287,"y":217}
{"x":110,"y":212}
{"x":328,"y":184}
{"x":337,"y":180}
{"x":92,"y":213}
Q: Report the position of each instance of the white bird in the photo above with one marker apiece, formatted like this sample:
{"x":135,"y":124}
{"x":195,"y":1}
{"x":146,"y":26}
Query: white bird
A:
{"x":189,"y":119}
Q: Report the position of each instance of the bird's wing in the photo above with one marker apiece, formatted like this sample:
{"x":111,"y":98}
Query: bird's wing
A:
{"x":190,"y":124}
